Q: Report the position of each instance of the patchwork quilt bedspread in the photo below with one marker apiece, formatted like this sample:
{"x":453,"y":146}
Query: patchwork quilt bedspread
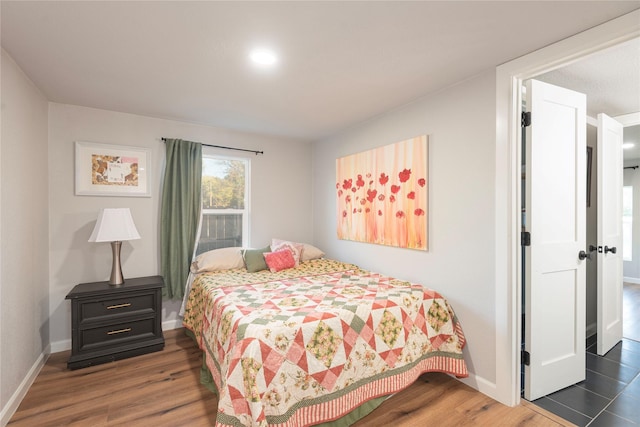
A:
{"x":307,"y":345}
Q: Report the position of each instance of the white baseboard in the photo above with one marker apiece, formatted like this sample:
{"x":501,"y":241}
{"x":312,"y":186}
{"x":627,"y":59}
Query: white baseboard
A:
{"x":482,"y":385}
{"x":167,"y":325}
{"x":633,"y":280}
{"x":12,"y":405}
{"x":59,"y":346}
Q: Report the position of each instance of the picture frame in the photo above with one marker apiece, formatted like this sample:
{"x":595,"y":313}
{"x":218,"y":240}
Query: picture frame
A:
{"x":111,"y":170}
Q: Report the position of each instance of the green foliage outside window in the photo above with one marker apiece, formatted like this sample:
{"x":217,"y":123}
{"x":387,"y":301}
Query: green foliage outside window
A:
{"x":225,"y":188}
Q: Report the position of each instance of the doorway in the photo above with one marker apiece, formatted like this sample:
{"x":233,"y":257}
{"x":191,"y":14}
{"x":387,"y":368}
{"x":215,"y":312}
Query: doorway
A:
{"x":589,"y":76}
{"x":509,"y":77}
{"x":594,"y":410}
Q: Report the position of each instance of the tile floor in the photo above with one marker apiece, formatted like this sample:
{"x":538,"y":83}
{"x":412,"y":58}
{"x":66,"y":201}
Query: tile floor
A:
{"x":610,"y":395}
{"x":631,"y":311}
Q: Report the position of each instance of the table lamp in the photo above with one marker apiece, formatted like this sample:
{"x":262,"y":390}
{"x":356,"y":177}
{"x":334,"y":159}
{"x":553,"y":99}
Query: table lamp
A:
{"x":115,"y":225}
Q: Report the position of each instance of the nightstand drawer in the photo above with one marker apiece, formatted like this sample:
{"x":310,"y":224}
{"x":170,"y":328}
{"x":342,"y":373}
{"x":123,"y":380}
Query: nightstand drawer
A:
{"x":117,"y":334}
{"x":130,"y":304}
{"x":115,"y":322}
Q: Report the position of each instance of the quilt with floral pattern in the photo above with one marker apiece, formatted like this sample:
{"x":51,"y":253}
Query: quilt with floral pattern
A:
{"x":307,"y":345}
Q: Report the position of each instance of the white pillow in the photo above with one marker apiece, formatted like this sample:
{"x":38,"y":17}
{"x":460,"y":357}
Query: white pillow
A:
{"x":311,"y":252}
{"x":218,"y":259}
{"x":308,"y":251}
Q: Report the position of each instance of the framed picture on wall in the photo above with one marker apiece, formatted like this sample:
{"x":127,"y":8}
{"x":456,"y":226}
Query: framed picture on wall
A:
{"x":112,"y":170}
{"x":382,"y":195}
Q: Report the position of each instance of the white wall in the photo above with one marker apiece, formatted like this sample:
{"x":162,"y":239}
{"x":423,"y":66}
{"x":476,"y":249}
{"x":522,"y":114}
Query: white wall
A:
{"x":24,"y":271}
{"x":280,"y":198}
{"x":460,"y":122}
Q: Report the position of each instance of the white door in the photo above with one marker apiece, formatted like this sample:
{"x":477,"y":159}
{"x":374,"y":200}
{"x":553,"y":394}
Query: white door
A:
{"x":610,"y":274}
{"x":555,"y":278}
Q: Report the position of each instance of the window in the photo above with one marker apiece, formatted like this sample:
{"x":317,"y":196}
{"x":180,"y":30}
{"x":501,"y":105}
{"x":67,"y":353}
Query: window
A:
{"x":627,"y":223}
{"x":225,"y":206}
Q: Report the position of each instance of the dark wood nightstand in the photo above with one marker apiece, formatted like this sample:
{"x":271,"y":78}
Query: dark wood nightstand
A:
{"x":115,"y":322}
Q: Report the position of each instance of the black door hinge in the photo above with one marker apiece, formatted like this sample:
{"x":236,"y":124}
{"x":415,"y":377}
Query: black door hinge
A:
{"x":525,"y":238}
{"x":526,"y":357}
{"x":525,"y":120}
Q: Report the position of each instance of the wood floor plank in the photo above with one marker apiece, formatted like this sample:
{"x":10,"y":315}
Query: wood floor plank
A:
{"x":163,"y":389}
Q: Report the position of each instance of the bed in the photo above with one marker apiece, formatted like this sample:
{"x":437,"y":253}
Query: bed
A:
{"x":321,"y":342}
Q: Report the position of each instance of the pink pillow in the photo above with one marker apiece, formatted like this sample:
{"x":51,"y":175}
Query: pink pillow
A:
{"x":279,"y":260}
{"x":295,"y":248}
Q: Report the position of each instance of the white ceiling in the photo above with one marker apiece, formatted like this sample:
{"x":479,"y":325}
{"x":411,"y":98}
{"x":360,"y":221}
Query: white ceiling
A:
{"x":340,"y":62}
{"x":610,"y":78}
{"x":611,"y":81}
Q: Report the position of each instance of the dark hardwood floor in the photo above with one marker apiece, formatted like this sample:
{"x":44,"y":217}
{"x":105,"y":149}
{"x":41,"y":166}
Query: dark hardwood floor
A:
{"x":163,"y":389}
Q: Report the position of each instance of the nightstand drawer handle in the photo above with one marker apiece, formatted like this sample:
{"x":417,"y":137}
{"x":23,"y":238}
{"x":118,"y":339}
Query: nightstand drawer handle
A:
{"x":119,"y":331}
{"x":111,"y":307}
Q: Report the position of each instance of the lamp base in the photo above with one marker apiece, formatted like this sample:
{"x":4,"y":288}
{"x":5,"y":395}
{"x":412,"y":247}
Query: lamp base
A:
{"x":116,"y":278}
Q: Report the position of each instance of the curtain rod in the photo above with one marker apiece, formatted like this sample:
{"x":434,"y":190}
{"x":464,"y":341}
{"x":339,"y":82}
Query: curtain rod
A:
{"x":631,"y":167}
{"x":226,"y":148}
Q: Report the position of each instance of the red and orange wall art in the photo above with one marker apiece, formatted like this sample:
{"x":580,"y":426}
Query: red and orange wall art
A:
{"x":382,"y":195}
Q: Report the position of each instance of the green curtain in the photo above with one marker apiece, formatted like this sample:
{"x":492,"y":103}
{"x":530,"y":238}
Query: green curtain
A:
{"x":180,"y":213}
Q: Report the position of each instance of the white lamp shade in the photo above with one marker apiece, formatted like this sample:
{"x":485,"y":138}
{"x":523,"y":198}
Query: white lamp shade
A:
{"x":114,"y":224}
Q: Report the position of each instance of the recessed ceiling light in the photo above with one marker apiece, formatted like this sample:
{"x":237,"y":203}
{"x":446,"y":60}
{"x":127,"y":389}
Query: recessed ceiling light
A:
{"x":628,"y":145}
{"x":263,"y":57}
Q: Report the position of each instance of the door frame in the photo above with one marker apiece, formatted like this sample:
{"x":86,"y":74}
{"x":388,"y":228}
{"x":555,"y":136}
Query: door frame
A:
{"x":508,"y":266}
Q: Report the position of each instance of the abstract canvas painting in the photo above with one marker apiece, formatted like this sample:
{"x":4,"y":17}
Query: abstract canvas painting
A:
{"x":382,"y":195}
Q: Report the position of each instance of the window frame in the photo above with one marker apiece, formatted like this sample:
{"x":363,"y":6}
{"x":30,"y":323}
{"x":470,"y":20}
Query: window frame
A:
{"x":211,"y":153}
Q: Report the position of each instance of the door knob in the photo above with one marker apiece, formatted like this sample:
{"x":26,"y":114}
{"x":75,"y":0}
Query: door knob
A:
{"x":582,"y":255}
{"x":608,"y":249}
